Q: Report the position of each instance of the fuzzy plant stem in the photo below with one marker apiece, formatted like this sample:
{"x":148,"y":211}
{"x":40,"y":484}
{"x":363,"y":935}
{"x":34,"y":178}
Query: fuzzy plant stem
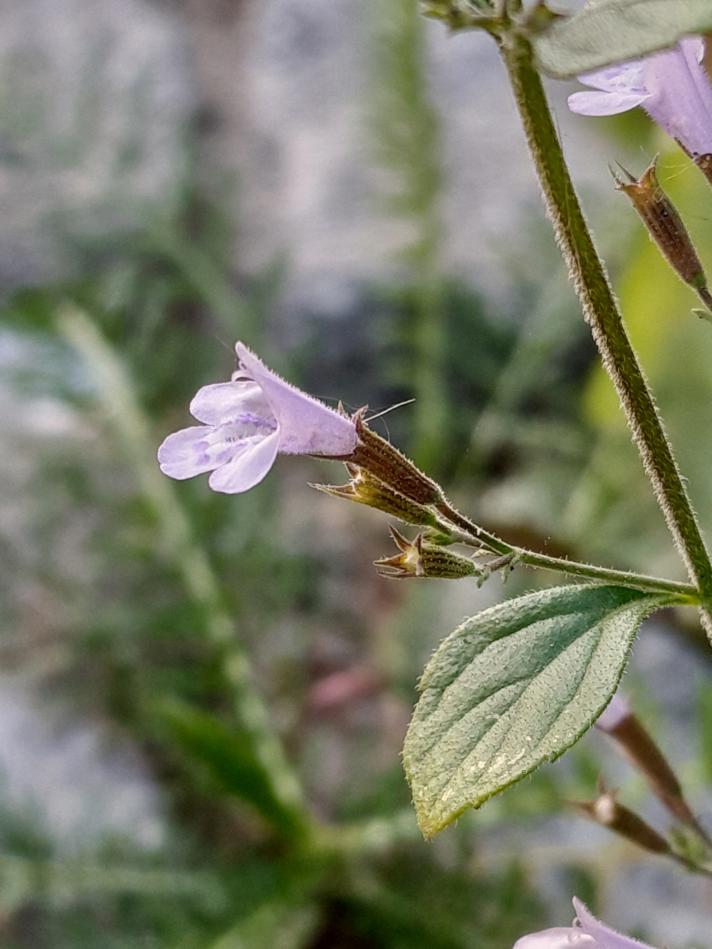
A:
{"x":603,"y":315}
{"x":472,"y":535}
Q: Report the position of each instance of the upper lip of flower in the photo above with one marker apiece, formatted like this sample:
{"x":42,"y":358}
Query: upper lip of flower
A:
{"x":247,"y":422}
{"x":307,"y":426}
{"x":671,"y":85}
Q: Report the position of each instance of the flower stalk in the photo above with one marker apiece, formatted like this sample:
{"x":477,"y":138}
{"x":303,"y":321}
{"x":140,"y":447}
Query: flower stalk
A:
{"x":601,"y":312}
{"x":632,"y":738}
{"x":401,"y":490}
{"x":606,"y":810}
{"x":472,"y":535}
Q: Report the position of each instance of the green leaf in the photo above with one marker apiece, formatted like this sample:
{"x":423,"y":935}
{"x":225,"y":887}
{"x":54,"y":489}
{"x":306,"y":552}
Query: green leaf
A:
{"x":223,"y":756}
{"x":513,"y":687}
{"x":611,"y":31}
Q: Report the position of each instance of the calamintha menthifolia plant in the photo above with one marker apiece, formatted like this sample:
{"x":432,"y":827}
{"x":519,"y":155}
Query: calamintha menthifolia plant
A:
{"x":516,"y":685}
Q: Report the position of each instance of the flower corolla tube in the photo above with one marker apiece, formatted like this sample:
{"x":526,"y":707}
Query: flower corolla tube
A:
{"x":588,"y":933}
{"x":247,"y":422}
{"x":672,"y":86}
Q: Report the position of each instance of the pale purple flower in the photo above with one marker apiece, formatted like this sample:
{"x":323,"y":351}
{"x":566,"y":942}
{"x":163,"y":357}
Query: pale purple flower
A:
{"x":672,"y":86}
{"x":589,"y":933}
{"x":247,"y":422}
{"x":614,"y":713}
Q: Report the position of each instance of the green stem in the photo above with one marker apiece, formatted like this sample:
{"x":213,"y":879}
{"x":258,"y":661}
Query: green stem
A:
{"x":470,"y":534}
{"x":191,"y":562}
{"x":601,"y":312}
{"x":623,"y":578}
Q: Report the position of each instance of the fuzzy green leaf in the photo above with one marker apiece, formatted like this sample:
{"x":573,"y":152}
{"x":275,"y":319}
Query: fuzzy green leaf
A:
{"x":611,"y":31}
{"x":513,"y":687}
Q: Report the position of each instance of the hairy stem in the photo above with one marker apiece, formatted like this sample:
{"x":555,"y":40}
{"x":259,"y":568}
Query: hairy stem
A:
{"x":602,"y":314}
{"x":470,"y":534}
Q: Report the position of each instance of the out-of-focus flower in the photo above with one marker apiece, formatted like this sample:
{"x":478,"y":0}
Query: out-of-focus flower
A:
{"x":620,"y":723}
{"x":673,"y":88}
{"x":247,"y":422}
{"x":587,"y":933}
{"x":616,"y":712}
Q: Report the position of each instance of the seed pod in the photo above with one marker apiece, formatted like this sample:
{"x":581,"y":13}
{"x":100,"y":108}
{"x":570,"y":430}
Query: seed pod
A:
{"x":665,"y":227}
{"x":638,"y":745}
{"x":417,"y":558}
{"x":384,"y":461}
{"x":366,"y":488}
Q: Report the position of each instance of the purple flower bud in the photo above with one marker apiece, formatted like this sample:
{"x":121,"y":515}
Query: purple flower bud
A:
{"x":247,"y":423}
{"x":673,"y":88}
{"x":589,"y":933}
{"x":613,"y":714}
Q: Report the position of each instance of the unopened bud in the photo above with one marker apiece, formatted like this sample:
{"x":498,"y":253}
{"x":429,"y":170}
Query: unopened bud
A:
{"x":383,"y":460}
{"x":606,"y":811}
{"x":665,"y":227}
{"x":619,"y":722}
{"x":366,"y":488}
{"x":417,"y":558}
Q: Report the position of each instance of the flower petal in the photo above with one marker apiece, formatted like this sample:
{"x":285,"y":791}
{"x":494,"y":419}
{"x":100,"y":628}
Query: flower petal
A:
{"x":183,"y":454}
{"x":605,"y":103}
{"x":681,"y":96}
{"x":225,"y":401}
{"x":604,"y":937}
{"x":625,"y":77}
{"x":308,"y":427}
{"x":693,"y":46}
{"x":250,"y":463}
{"x":558,"y":938}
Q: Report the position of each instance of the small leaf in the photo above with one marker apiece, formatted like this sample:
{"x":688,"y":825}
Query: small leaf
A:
{"x":513,"y":687}
{"x":611,"y":31}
